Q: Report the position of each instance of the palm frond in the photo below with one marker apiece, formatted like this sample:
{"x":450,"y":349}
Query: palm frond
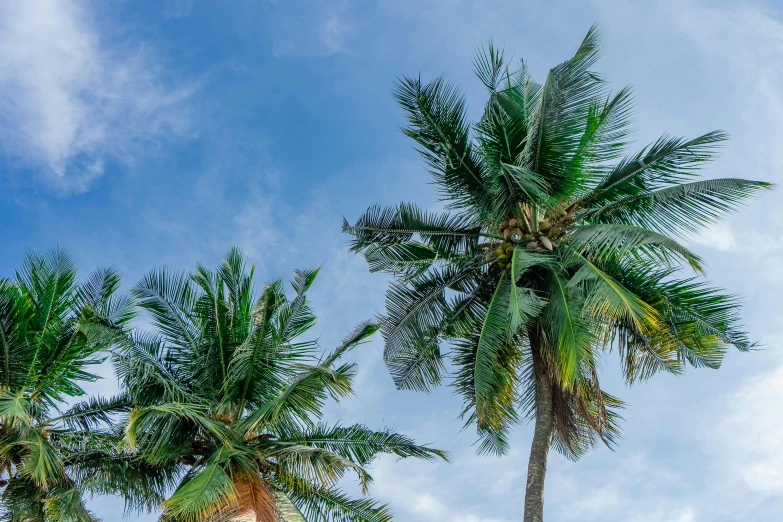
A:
{"x":679,"y":209}
{"x":437,"y":121}
{"x":169,"y":297}
{"x":569,"y":93}
{"x":415,"y":306}
{"x":604,"y":241}
{"x":204,"y":493}
{"x":494,"y":383}
{"x":313,"y":463}
{"x":304,"y":396}
{"x":419,"y":364}
{"x":447,"y":234}
{"x":319,"y":504}
{"x":568,"y":336}
{"x":608,"y":300}
{"x":665,"y":162}
{"x":160,"y":431}
{"x":41,"y":463}
{"x":92,"y":412}
{"x":360,"y":444}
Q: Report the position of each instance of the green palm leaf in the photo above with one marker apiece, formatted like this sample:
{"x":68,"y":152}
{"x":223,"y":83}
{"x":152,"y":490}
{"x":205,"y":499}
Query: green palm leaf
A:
{"x":437,"y":122}
{"x":679,"y":209}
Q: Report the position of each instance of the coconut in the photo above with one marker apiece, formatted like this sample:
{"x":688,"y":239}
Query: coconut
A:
{"x":507,"y":233}
{"x":499,"y":252}
{"x":544,"y":224}
{"x":532,"y":244}
{"x":513,"y":222}
{"x":503,"y":259}
{"x":509,"y":250}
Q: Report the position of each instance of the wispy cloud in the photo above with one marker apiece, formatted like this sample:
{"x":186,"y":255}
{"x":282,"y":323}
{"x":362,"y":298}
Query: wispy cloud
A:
{"x":720,"y":237}
{"x":325,"y":31}
{"x":70,"y":102}
{"x":177,"y":8}
{"x":423,"y":491}
{"x":750,"y":434}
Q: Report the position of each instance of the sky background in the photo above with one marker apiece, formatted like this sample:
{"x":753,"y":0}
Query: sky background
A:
{"x":140,"y":133}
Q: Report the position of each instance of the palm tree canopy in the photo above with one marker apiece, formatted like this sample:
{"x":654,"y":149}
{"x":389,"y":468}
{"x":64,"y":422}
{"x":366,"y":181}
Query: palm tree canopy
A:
{"x":555,"y":243}
{"x":53,"y":329}
{"x":228,"y":393}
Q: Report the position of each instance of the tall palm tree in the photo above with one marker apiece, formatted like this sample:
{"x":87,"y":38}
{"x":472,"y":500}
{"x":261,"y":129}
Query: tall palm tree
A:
{"x":554,"y":247}
{"x":228,"y":391}
{"x":52,"y":331}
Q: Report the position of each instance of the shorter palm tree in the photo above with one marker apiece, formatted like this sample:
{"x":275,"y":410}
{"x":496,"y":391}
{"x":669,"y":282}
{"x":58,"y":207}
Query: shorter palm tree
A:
{"x":52,"y":330}
{"x":226,"y":391}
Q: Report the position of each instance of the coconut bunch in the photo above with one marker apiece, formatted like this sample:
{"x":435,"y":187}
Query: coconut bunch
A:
{"x":503,"y":254}
{"x":511,"y":228}
{"x":516,"y":229}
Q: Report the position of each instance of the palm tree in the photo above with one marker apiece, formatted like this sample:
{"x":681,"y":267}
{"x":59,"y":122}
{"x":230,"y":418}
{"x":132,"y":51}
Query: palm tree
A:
{"x":52,"y":330}
{"x":554,"y":247}
{"x":227,"y":391}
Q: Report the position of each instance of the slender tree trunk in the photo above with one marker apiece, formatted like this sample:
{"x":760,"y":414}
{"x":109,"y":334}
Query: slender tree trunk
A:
{"x":539,"y":450}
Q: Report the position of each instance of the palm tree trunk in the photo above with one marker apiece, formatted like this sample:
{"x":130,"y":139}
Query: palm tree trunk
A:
{"x":255,"y":502}
{"x":539,"y":450}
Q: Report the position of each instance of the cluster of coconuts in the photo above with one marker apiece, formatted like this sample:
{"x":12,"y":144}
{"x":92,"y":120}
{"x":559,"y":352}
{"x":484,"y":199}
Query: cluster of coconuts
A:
{"x":516,"y":231}
{"x":511,"y":229}
{"x":503,"y":254}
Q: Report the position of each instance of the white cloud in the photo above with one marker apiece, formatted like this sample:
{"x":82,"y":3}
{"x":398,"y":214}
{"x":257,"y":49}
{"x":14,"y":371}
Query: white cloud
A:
{"x":69,"y":104}
{"x":687,"y":516}
{"x":751,"y":433}
{"x":460,"y":491}
{"x":746,"y":38}
{"x":720,"y":237}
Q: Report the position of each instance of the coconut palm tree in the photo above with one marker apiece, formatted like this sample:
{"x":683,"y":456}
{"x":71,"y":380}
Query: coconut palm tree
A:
{"x":52,"y":331}
{"x":229,"y":391}
{"x":554,"y":247}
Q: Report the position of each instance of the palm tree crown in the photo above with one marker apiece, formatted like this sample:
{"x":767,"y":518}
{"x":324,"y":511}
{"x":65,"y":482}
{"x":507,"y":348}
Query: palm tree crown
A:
{"x":555,"y":245}
{"x":52,"y":330}
{"x":227,"y":392}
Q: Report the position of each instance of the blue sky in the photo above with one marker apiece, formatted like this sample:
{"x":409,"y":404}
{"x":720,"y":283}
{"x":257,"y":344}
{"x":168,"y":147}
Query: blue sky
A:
{"x":144,"y":133}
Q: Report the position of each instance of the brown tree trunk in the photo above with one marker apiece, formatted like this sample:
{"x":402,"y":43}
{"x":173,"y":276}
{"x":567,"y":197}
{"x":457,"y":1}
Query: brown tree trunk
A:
{"x":539,"y":450}
{"x":255,"y":503}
